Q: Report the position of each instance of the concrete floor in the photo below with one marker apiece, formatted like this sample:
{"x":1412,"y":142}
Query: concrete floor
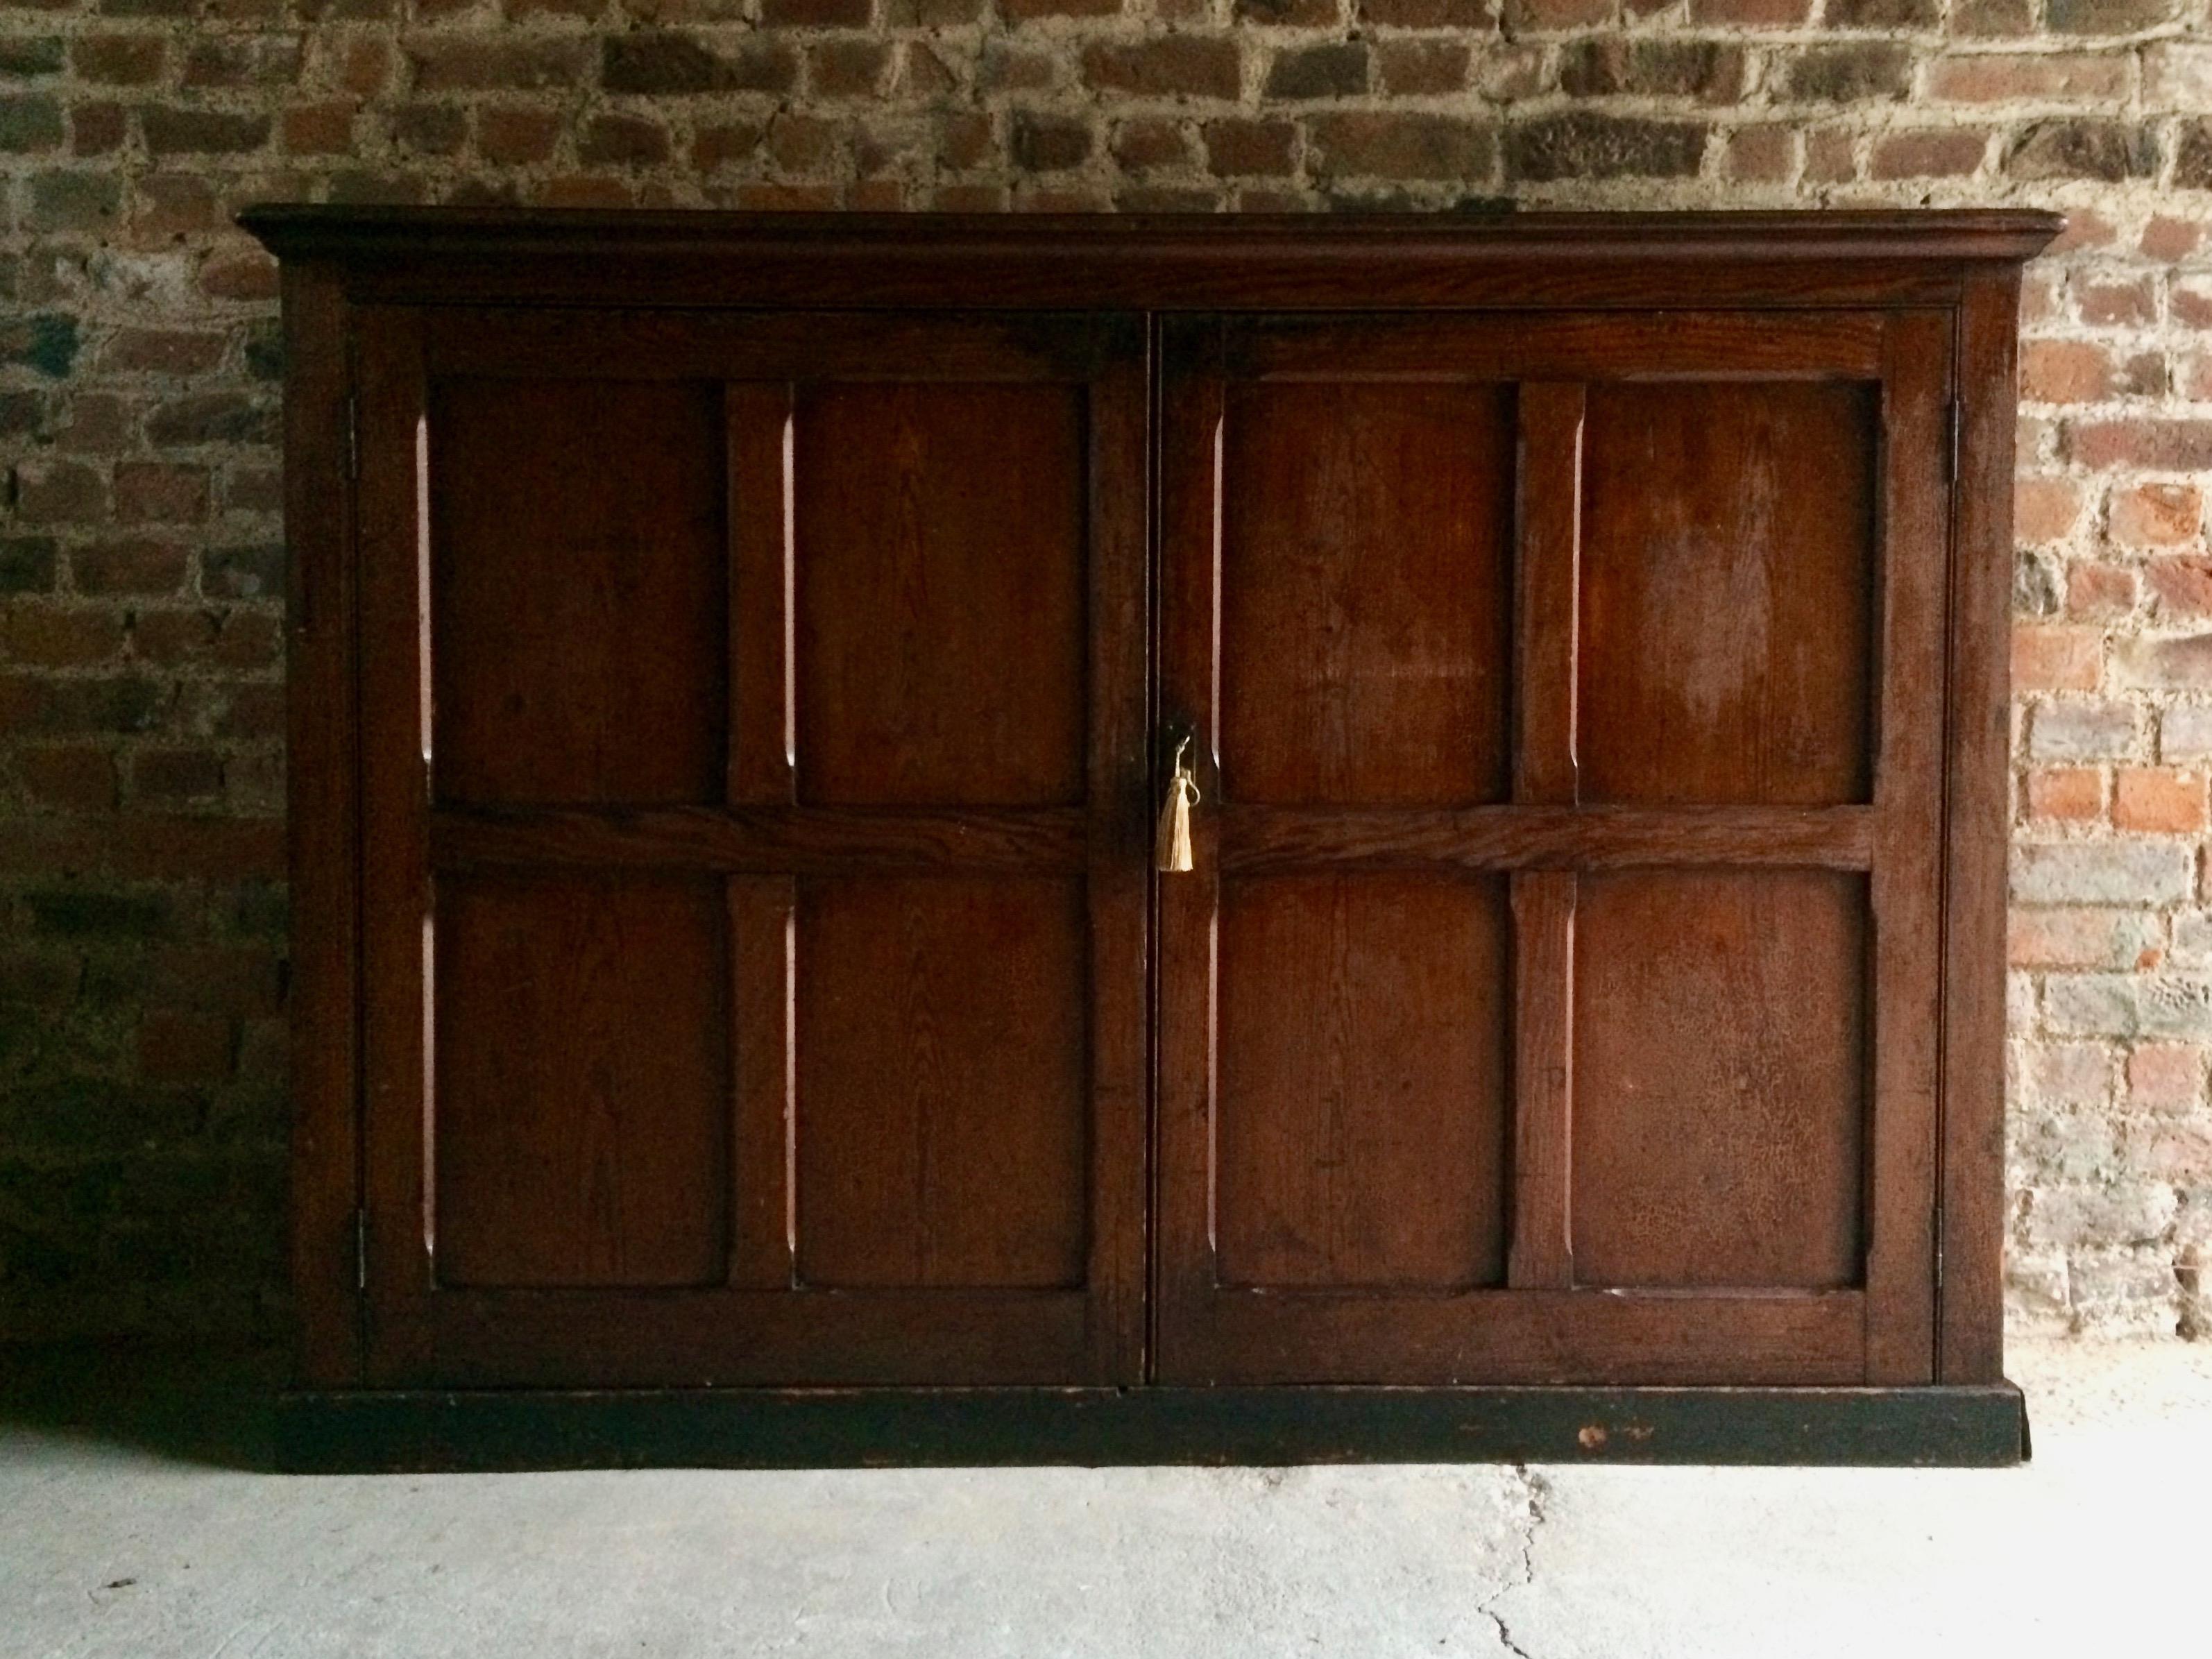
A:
{"x":2099,"y":1546}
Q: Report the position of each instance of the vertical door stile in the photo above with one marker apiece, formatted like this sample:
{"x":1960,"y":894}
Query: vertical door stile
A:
{"x":757,"y":419}
{"x":1115,"y":787}
{"x":1906,"y":879}
{"x":396,"y":937}
{"x":1548,"y":551}
{"x":1190,"y":450}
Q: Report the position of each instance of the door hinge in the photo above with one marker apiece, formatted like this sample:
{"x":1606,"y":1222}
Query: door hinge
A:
{"x":1938,"y":1246}
{"x":353,"y":435}
{"x":361,"y":1249}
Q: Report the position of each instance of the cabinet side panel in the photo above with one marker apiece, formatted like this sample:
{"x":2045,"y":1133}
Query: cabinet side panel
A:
{"x":1971,"y":1334}
{"x":324,"y":803}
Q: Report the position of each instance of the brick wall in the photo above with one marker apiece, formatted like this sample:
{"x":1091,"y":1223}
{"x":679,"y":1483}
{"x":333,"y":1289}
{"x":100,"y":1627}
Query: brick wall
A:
{"x":141,"y":754}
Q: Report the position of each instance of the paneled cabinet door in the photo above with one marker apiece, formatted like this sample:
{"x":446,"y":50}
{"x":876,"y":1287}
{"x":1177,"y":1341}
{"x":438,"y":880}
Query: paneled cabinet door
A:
{"x":1555,"y":996}
{"x":755,"y":813}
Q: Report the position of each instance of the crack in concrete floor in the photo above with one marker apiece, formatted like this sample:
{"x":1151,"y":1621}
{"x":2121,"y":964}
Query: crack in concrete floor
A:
{"x":1534,"y":1489}
{"x":1477,"y":1562}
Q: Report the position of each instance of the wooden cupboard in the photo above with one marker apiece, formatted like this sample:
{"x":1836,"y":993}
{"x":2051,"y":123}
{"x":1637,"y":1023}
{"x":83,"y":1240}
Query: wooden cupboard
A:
{"x":738,"y":665}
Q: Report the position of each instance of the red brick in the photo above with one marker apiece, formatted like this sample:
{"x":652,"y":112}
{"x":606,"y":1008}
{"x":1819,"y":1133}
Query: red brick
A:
{"x":848,"y":69}
{"x":2044,"y":509}
{"x":1241,"y":147}
{"x":2066,"y":794}
{"x":159,"y":492}
{"x":177,"y":774}
{"x":474,"y":63}
{"x":1994,"y":77}
{"x":2095,"y":588}
{"x":2064,"y":372}
{"x":2052,"y":658}
{"x":1760,"y":155}
{"x":1422,"y":67}
{"x":2158,"y":800}
{"x":1408,"y":146}
{"x":516,"y":135}
{"x":97,"y":128}
{"x":816,"y":14}
{"x":1166,"y":66}
{"x":161,"y":351}
{"x":135,"y":567}
{"x":2165,"y":1077}
{"x":43,"y":635}
{"x":1404,"y":14}
{"x":1752,"y":14}
{"x":1936,"y":152}
{"x":2166,"y":445}
{"x":2156,"y":514}
{"x":74,"y":777}
{"x":118,"y":60}
{"x":2183,"y":582}
{"x":1148,"y":145}
{"x":2117,"y":301}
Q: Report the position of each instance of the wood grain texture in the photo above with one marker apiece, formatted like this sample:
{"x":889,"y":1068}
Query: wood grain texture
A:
{"x":757,"y":425}
{"x":324,"y":866}
{"x":943,"y":1040}
{"x":940,"y":533}
{"x":1255,"y":840}
{"x":1762,"y":874}
{"x":1543,"y":1078}
{"x":582,"y":1082}
{"x":1182,"y":261}
{"x":1365,"y":592}
{"x":739,"y":346}
{"x":1976,"y":814}
{"x":1547,"y":555}
{"x":1118,"y":769}
{"x":391,"y":571}
{"x":1727,"y":593}
{"x":1560,"y":348}
{"x":1525,"y":1337}
{"x":762,"y":841}
{"x":1360,"y":1118}
{"x":577,"y":567}
{"x":1906,"y":890}
{"x":762,"y":920}
{"x":1720,"y":1080}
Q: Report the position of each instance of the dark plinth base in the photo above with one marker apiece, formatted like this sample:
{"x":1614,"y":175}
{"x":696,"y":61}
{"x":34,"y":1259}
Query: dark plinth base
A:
{"x":1982,"y":1426}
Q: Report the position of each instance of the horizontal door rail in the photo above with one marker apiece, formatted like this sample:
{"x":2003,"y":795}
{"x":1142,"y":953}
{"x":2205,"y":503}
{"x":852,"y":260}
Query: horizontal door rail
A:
{"x":764,"y":839}
{"x":1261,"y":839}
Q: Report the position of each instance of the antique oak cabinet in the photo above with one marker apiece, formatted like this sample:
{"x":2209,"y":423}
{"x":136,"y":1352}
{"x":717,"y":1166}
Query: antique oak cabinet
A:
{"x":743,"y":669}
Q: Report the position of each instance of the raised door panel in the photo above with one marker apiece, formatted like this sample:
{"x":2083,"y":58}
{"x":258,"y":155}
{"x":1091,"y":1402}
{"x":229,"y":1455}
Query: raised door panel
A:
{"x":939,"y":608}
{"x":754,"y":747}
{"x":1720,"y":1065}
{"x":1361,"y":1089}
{"x":1365,"y":593}
{"x":942,"y":1037}
{"x":1727,"y":592}
{"x":581,"y":1072}
{"x":578,"y":565}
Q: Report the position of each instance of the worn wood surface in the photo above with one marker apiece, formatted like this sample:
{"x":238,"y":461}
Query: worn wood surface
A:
{"x":1588,"y":970}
